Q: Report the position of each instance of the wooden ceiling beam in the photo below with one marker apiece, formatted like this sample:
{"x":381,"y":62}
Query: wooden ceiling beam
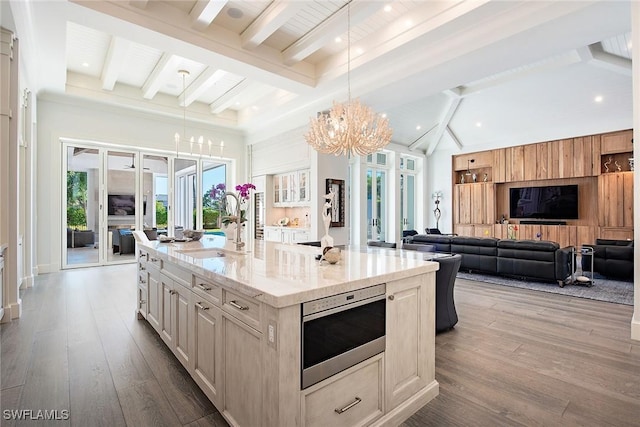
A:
{"x":273,"y":17}
{"x":160,"y":75}
{"x":201,"y":84}
{"x":204,"y":12}
{"x":114,"y":62}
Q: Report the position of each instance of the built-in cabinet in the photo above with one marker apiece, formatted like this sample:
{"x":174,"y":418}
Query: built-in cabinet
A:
{"x":291,"y":188}
{"x":230,"y":344}
{"x":290,"y":235}
{"x":598,"y":164}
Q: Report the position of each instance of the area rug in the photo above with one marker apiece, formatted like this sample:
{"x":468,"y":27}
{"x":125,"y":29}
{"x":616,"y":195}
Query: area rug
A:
{"x":602,"y":290}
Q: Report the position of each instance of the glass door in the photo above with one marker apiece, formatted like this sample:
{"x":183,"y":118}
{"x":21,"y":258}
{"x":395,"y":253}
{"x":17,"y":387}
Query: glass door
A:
{"x":155,"y":197}
{"x":407,"y":194}
{"x":185,"y":190}
{"x":123,"y":205}
{"x":376,"y":204}
{"x":81,"y":235}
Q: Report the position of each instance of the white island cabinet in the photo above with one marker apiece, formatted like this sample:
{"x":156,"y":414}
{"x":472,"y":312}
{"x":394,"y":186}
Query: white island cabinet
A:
{"x":234,"y":320}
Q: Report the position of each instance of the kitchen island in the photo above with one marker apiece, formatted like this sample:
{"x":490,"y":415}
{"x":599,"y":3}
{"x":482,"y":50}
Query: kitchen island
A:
{"x":235,"y":321}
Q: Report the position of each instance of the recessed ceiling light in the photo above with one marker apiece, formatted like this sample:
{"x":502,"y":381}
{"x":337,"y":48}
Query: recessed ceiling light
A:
{"x":384,"y":115}
{"x":387,"y":8}
{"x":85,"y":64}
{"x":408,"y":23}
{"x":598,"y":98}
{"x":254,"y":107}
{"x":235,"y":13}
{"x":479,"y":124}
{"x":418,"y":127}
{"x":237,"y":102}
{"x":359,"y":51}
{"x":338,"y":40}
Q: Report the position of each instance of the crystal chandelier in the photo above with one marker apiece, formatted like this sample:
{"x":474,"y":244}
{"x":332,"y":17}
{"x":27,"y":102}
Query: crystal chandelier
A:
{"x":351,"y":127}
{"x":192,"y":140}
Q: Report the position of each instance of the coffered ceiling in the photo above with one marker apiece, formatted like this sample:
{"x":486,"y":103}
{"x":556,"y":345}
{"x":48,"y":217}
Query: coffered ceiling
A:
{"x":445,"y":72}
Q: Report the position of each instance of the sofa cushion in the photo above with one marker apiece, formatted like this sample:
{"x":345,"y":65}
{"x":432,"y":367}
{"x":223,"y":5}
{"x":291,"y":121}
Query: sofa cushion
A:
{"x":610,"y":242}
{"x":530,"y":245}
{"x":622,"y":253}
{"x":442,"y":243}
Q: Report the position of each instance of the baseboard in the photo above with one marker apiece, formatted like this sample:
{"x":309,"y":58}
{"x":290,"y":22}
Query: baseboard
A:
{"x":27,"y":282}
{"x":635,"y":327}
{"x":12,"y":311}
{"x":47,"y":268}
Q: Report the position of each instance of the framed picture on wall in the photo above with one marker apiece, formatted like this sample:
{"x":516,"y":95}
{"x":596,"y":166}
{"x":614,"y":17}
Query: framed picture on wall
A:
{"x":336,"y":188}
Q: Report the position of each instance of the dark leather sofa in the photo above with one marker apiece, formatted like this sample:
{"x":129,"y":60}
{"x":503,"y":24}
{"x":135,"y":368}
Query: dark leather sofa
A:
{"x":534,"y":259}
{"x":611,"y":258}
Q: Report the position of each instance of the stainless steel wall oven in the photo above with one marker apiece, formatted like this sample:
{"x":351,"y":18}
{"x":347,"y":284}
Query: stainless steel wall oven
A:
{"x":340,"y":331}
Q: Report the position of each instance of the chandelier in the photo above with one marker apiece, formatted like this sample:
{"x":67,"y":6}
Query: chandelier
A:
{"x":351,"y":127}
{"x":192,"y":140}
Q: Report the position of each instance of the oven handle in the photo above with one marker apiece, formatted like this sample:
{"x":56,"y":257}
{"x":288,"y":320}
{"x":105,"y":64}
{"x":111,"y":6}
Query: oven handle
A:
{"x":344,"y":307}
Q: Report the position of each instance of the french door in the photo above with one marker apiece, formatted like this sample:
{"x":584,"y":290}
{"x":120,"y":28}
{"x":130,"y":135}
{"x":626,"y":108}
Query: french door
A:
{"x":101,"y":203}
{"x":408,"y":193}
{"x":376,"y":204}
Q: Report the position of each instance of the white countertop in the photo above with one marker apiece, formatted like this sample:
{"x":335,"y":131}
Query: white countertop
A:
{"x":281,"y":275}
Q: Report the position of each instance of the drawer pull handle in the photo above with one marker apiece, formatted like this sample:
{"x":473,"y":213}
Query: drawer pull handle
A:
{"x":142,"y":302}
{"x":143,"y":281}
{"x":238,"y":306}
{"x":204,"y":287}
{"x":172,"y":292}
{"x":154,"y":259}
{"x":349,"y":406}
{"x":142,"y":268}
{"x":201,"y":307}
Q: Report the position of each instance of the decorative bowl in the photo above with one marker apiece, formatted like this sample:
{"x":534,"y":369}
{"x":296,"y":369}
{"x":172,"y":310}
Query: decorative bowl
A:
{"x":332,"y":255}
{"x":193,"y":234}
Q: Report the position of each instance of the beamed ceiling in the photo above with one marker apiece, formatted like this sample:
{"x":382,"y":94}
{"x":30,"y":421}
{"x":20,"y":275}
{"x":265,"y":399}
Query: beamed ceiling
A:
{"x":445,"y":72}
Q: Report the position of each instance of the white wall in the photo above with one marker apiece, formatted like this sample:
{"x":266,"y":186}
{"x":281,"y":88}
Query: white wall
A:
{"x":635,"y":40}
{"x":66,"y":117}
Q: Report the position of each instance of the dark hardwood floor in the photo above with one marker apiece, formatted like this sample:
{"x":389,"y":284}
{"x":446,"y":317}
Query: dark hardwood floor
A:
{"x":516,"y":357}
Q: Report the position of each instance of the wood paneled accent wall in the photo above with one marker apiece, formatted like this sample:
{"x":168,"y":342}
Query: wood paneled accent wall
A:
{"x":605,"y":198}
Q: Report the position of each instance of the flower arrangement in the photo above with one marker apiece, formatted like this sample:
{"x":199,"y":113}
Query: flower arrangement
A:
{"x":243,"y":194}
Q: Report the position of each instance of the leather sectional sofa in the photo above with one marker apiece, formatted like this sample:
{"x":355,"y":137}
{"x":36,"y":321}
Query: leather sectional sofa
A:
{"x":612,"y":258}
{"x":531,"y":259}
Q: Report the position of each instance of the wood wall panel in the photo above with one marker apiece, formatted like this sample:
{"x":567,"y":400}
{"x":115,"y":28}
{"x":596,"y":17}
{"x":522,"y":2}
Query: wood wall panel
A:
{"x":542,"y":157}
{"x":465,"y":204}
{"x":517,"y":163}
{"x":530,"y":162}
{"x":483,"y":230}
{"x":566,"y":158}
{"x":605,"y":202}
{"x":617,"y":233}
{"x":554,"y":159}
{"x":595,"y":155}
{"x":617,"y":142}
{"x":478,"y":203}
{"x":464,"y":230}
{"x":490,"y":203}
{"x":499,"y":165}
{"x":585,"y":235}
{"x":615,"y":195}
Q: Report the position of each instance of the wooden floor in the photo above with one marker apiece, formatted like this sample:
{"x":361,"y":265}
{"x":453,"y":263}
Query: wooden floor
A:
{"x":516,"y":357}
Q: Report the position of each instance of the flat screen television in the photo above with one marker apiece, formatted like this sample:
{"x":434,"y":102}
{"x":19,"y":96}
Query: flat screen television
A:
{"x":548,"y":202}
{"x":123,"y":204}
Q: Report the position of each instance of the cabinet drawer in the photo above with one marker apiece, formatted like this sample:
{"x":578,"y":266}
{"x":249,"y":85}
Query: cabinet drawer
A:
{"x":241,"y":307}
{"x":154,"y":260}
{"x":143,"y":276}
{"x":207,"y":290}
{"x":350,"y":398}
{"x":177,"y":273}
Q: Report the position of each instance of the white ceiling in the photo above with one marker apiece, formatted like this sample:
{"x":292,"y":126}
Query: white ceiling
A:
{"x":266,"y":66}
